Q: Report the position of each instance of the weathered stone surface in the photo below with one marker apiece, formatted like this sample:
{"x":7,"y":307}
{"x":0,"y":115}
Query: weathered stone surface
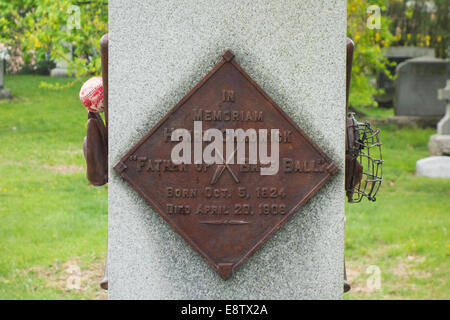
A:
{"x":439,"y":144}
{"x":59,"y":72}
{"x":434,"y":167}
{"x":416,"y":86}
{"x":158,"y":51}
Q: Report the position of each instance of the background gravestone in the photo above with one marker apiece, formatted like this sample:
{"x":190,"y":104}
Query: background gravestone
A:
{"x":60,"y":71}
{"x":416,"y":85}
{"x":397,"y":55}
{"x":434,"y":167}
{"x":158,"y":51}
{"x":443,"y":126}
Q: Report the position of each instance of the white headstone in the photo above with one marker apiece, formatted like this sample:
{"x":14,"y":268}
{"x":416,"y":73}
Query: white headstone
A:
{"x":295,"y":50}
{"x":439,"y":143}
{"x":4,"y":93}
{"x":434,"y":167}
{"x":2,"y":73}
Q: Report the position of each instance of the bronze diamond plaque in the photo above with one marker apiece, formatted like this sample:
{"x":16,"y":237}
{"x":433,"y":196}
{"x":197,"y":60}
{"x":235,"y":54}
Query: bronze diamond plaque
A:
{"x":226,"y":167}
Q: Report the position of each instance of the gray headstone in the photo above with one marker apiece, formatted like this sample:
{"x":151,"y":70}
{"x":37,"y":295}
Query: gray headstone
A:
{"x":416,"y":85}
{"x":434,"y":167}
{"x":296,"y":52}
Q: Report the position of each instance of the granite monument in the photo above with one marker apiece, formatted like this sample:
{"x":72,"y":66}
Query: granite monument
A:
{"x":158,"y":52}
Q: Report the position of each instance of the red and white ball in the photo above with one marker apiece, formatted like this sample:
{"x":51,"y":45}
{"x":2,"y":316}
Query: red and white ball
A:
{"x":91,"y":94}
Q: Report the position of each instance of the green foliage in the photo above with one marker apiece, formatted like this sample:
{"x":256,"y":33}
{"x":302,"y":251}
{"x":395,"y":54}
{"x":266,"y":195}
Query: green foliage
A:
{"x":51,"y":29}
{"x":368,"y":56}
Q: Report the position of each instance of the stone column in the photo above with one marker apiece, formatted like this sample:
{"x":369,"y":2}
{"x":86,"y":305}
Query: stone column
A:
{"x":158,"y":51}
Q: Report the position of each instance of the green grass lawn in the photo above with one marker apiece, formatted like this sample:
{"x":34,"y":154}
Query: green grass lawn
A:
{"x":54,"y":224}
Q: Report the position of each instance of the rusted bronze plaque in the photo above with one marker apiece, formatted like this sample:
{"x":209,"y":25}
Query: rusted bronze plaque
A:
{"x":226,"y":167}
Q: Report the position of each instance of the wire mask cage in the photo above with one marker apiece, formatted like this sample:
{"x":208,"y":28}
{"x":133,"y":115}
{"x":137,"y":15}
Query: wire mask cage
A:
{"x":366,"y":150}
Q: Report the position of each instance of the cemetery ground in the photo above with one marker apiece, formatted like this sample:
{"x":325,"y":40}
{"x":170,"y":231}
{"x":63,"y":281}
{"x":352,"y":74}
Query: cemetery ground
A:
{"x":53,"y":226}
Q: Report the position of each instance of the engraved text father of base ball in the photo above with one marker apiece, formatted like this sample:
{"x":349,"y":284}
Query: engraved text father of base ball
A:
{"x":227,"y":209}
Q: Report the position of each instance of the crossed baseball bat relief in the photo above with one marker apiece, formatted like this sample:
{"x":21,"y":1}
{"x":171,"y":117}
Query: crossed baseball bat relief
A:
{"x":221,"y":168}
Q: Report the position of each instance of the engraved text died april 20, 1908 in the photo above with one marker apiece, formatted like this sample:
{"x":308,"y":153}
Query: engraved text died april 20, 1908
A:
{"x":226,"y":167}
